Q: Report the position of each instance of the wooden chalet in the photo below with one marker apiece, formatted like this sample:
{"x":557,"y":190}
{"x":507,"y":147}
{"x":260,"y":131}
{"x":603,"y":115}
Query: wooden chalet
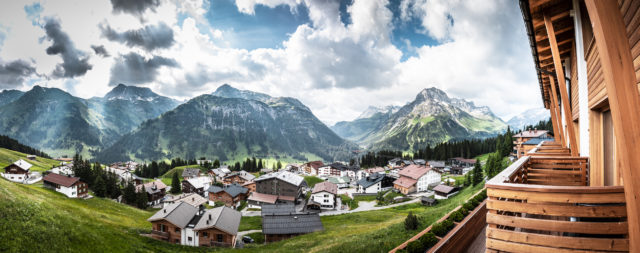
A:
{"x":17,"y":171}
{"x":156,"y":190}
{"x":70,"y":186}
{"x":579,"y":192}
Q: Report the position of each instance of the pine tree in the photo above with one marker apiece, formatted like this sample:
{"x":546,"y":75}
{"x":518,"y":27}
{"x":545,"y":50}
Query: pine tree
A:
{"x":175,"y":184}
{"x":411,"y":222}
{"x":477,"y":174}
{"x":216,"y":163}
{"x":99,"y":187}
{"x":129,"y":194}
{"x":279,"y":165}
{"x":141,"y":198}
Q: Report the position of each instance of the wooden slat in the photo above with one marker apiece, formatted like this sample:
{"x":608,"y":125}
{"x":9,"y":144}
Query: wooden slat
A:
{"x":520,"y":247}
{"x":624,"y":101}
{"x":558,"y":210}
{"x":554,"y":172}
{"x":557,"y":62}
{"x":583,"y":243}
{"x":597,"y":228}
{"x":557,"y":166}
{"x":558,"y":197}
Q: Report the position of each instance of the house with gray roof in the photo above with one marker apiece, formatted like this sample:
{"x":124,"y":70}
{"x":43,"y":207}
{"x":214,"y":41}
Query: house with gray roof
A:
{"x":374,"y":183}
{"x":182,"y":223}
{"x":230,"y":194}
{"x":188,"y":173}
{"x":281,"y":183}
{"x":278,"y":227}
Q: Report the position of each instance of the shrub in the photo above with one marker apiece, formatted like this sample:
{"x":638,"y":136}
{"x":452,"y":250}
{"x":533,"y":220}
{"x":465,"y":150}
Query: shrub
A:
{"x":428,"y":240}
{"x":456,"y":216}
{"x":479,"y":198}
{"x":415,"y":247}
{"x":474,"y":202}
{"x":442,"y":228}
{"x":464,"y":211}
{"x":411,"y":222}
{"x":468,"y":206}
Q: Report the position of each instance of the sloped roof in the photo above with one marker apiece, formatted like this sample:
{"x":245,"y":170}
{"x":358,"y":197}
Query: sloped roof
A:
{"x":536,"y":141}
{"x":264,"y":198}
{"x":190,"y":172}
{"x":193,"y":199}
{"x":291,"y":224}
{"x":339,"y":180}
{"x":243,"y":174}
{"x":232,"y":189}
{"x":58,"y":179}
{"x":284,"y":176}
{"x":223,"y":218}
{"x":371,"y":180}
{"x":326,"y":187}
{"x":315,"y":164}
{"x":22,"y":164}
{"x":374,"y":170}
{"x":465,"y":160}
{"x":159,"y":185}
{"x":405,"y":182}
{"x":199,"y":182}
{"x":414,"y":171}
{"x":443,"y":188}
{"x":178,"y":214}
{"x":277,"y":209}
{"x":436,"y":164}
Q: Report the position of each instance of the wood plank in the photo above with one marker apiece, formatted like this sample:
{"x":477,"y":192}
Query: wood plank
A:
{"x":624,"y":101}
{"x":520,"y":247}
{"x":558,"y":197}
{"x":554,"y":101}
{"x":559,"y":241}
{"x":557,"y":62}
{"x":558,"y":210}
{"x":596,"y":228}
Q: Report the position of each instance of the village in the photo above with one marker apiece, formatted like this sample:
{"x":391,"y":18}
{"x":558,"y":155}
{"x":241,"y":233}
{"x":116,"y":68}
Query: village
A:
{"x":208,"y":207}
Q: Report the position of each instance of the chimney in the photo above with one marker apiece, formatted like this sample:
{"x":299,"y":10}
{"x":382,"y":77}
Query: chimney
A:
{"x":209,"y":216}
{"x":165,"y":210}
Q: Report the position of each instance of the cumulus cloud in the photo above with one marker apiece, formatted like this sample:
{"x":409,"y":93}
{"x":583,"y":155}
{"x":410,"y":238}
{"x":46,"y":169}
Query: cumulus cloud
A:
{"x":74,"y":61}
{"x":100,"y":50}
{"x":149,"y":37}
{"x":133,"y":68}
{"x":13,"y":74}
{"x":135,"y":7}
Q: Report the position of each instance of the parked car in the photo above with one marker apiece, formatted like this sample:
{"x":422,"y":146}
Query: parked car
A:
{"x":246,"y":239}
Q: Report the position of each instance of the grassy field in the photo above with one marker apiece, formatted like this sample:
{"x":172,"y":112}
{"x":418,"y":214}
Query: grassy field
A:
{"x":40,"y":164}
{"x":312,"y":180}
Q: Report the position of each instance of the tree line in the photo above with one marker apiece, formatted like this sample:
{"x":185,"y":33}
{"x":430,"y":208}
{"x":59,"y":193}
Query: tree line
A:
{"x":12,"y":144}
{"x":105,"y":184}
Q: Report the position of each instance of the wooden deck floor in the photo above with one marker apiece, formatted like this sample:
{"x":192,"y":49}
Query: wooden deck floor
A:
{"x":479,"y":244}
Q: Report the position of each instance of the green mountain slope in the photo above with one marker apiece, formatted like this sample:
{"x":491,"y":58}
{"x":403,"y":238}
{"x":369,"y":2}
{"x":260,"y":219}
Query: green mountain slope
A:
{"x":228,"y":128}
{"x":433,"y":117}
{"x":8,"y":156}
{"x":358,"y":129}
{"x":61,"y":124}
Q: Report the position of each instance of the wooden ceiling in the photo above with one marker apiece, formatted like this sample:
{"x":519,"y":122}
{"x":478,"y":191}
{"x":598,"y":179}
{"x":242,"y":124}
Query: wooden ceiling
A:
{"x":559,"y":13}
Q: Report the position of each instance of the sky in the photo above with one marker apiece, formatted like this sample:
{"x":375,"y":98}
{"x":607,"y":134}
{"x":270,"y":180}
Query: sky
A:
{"x":337,"y":57}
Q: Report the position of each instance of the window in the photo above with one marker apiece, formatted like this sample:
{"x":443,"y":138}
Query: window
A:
{"x":177,"y":230}
{"x":189,"y":238}
{"x":220,"y":237}
{"x":205,"y":234}
{"x":163,"y":228}
{"x":326,"y":201}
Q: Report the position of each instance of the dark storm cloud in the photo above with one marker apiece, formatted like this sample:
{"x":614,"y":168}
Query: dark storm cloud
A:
{"x":74,"y":62}
{"x":134,"y":69}
{"x":135,"y":7}
{"x":149,"y":37}
{"x":14,"y":73}
{"x":100,"y":50}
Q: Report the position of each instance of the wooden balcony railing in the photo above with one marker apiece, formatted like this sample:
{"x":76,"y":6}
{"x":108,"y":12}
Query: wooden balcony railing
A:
{"x":544,"y":204}
{"x":160,"y":234}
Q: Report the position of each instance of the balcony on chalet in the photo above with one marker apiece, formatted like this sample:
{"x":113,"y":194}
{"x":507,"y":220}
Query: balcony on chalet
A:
{"x":160,"y":235}
{"x":543,"y":203}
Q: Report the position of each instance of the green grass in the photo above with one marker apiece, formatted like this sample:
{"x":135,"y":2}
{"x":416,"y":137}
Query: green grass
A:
{"x":250,"y":223}
{"x":312,"y":180}
{"x":179,"y":170}
{"x":365,"y":198}
{"x":40,"y":164}
{"x":34,"y":219}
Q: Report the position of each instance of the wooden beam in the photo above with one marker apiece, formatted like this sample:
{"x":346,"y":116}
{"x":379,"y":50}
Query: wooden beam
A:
{"x":556,"y":119}
{"x":537,"y":23}
{"x":544,"y":56}
{"x":547,"y":47}
{"x":543,"y":37}
{"x":562,"y":85}
{"x":624,"y":101}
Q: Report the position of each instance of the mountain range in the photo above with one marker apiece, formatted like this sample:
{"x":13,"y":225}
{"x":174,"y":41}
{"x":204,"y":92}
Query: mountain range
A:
{"x":231,"y":124}
{"x":431,"y":118}
{"x":528,"y":117}
{"x":58,"y":123}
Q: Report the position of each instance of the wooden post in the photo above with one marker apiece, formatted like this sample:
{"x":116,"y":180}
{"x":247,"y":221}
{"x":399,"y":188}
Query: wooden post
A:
{"x":554,"y":105}
{"x":624,"y":100}
{"x":557,"y":63}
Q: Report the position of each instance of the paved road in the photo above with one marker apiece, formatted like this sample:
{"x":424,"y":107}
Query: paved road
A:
{"x":367,"y":206}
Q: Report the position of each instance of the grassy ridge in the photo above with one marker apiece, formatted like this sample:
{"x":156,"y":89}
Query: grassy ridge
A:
{"x":40,"y":164}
